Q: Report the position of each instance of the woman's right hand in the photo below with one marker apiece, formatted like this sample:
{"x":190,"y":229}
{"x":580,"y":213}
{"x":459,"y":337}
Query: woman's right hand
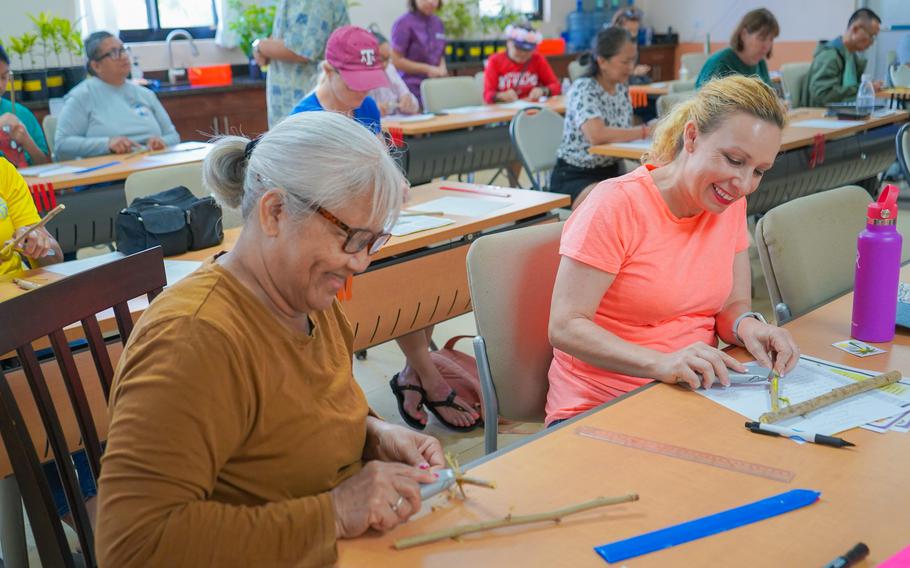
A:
{"x":121,"y":145}
{"x":434,"y":71}
{"x":381,"y":496}
{"x":507,"y":96}
{"x":697,"y":365}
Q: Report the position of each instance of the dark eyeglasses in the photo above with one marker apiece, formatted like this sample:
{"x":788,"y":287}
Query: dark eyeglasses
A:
{"x":358,"y":239}
{"x":115,"y":53}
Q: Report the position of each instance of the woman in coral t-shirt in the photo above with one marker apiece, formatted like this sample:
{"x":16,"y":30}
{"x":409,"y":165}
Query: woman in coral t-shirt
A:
{"x":655,"y":264}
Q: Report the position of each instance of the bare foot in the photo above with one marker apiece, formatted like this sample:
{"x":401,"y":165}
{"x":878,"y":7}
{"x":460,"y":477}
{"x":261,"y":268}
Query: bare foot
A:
{"x":438,"y":391}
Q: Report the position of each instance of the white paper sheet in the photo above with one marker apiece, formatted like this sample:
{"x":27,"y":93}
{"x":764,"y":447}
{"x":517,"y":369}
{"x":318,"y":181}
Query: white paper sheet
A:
{"x":49,"y":170}
{"x":808,"y":380}
{"x":465,"y":206}
{"x":408,"y":117}
{"x":644,"y":144}
{"x":518,"y":105}
{"x":827,"y":124}
{"x":658,"y":85}
{"x":417,"y":223}
{"x":466,"y":109}
{"x":175,"y":270}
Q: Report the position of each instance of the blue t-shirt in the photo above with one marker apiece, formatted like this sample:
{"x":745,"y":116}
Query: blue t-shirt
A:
{"x":366,"y":114}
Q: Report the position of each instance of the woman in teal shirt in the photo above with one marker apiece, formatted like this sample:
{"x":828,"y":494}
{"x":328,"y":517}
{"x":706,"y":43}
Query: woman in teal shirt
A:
{"x":750,"y":48}
{"x":20,"y":125}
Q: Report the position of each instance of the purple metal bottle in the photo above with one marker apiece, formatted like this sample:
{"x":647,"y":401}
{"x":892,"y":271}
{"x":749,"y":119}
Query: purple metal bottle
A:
{"x":878,"y":267}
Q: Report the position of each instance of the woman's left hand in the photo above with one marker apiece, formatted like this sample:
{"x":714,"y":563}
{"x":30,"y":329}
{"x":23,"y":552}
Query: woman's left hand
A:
{"x":762,"y":339}
{"x":535,"y":94}
{"x":388,"y":442}
{"x":37,"y":244}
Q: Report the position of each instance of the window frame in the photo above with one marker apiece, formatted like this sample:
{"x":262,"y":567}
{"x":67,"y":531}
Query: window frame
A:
{"x":537,"y":15}
{"x":156,"y":33}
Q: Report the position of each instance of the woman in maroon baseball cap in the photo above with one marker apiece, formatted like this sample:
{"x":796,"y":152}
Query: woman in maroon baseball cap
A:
{"x":351,"y":68}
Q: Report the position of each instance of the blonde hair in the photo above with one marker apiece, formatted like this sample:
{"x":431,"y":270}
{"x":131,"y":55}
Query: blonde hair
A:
{"x":715,"y":102}
{"x":321,"y":158}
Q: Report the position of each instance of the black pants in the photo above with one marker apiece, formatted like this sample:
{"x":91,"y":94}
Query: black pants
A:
{"x":572,"y":180}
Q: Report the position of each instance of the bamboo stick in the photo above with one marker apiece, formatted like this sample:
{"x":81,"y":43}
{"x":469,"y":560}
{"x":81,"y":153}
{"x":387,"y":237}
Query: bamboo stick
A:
{"x":831,"y":397}
{"x":511,"y":520}
{"x":6,"y":251}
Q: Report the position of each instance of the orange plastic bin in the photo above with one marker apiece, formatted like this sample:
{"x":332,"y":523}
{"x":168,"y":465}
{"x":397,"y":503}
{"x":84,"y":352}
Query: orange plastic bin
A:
{"x":209,"y":76}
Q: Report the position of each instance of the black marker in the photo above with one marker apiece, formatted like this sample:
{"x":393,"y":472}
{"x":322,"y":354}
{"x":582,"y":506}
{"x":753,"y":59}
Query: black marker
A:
{"x":773,"y":430}
{"x":852,"y":556}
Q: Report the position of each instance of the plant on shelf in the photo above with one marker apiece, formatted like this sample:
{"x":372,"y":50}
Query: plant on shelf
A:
{"x":22,"y":46}
{"x":458,"y":18}
{"x":253,"y":21}
{"x":46,"y":32}
{"x":496,"y":25}
{"x":19,"y":48}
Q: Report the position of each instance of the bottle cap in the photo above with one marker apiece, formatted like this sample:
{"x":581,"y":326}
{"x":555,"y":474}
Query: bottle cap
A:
{"x":884,"y":210}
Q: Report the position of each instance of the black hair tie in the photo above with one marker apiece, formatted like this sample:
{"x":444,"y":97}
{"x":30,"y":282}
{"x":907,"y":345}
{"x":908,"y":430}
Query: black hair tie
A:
{"x":250,"y":146}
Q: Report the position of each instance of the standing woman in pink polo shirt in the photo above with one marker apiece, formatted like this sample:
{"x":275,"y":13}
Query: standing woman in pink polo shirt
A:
{"x":419,"y":43}
{"x":655,"y":264}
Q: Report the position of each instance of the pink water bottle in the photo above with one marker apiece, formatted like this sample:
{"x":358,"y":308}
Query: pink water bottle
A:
{"x":878,"y":267}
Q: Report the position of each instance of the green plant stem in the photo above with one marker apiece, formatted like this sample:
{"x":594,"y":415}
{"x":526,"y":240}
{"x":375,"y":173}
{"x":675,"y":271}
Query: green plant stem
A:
{"x":511,"y":520}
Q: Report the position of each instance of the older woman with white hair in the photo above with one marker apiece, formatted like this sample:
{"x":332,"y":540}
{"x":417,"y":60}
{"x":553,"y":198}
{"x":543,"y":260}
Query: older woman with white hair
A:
{"x":106,"y":113}
{"x":238,"y":435}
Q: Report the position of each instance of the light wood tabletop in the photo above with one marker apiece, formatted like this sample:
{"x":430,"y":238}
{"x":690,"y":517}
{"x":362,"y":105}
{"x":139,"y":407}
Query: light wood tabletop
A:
{"x":456,"y":121}
{"x":117,"y":167}
{"x":793,"y":136}
{"x":862,"y":488}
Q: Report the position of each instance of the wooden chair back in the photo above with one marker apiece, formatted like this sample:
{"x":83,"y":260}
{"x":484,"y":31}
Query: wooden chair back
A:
{"x":46,"y":313}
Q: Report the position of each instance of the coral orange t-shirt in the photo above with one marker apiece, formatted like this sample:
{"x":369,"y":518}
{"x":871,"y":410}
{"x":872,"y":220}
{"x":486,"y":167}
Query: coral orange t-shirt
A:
{"x":673,"y":276}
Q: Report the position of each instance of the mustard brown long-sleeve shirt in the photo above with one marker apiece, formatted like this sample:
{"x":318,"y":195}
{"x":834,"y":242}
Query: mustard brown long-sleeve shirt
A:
{"x":227,"y":431}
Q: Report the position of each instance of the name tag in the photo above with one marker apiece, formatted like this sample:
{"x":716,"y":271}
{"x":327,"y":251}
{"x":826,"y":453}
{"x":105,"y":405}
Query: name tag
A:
{"x":142,"y":110}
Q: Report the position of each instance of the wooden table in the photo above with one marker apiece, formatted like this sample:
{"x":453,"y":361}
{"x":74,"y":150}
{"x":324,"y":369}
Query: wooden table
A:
{"x":458,"y":143}
{"x":94,"y":198}
{"x":862,"y":496}
{"x":850,"y":154}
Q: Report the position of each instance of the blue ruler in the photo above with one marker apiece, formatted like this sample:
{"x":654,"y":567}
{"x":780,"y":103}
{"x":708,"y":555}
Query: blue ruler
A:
{"x":707,"y":526}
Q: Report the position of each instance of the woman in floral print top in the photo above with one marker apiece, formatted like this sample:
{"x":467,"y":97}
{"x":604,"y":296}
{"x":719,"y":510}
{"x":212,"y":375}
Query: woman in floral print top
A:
{"x":598,"y":111}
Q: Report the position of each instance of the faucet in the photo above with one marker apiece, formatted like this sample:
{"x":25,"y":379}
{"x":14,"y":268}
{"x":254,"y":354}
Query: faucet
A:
{"x":172,"y":72}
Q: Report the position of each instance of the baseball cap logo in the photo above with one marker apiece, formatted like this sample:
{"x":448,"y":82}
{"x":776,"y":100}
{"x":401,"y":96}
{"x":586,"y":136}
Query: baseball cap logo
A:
{"x":367,"y":56}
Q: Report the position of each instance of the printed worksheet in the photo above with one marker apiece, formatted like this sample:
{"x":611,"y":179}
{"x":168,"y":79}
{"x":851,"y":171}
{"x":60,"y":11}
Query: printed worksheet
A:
{"x":810,"y":378}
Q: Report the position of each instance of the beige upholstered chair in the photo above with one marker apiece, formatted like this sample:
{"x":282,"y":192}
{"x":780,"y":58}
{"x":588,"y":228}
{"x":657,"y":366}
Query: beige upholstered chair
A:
{"x":148,"y":182}
{"x":693,"y":62}
{"x":536,"y":134}
{"x":900,"y":75}
{"x":794,"y":78}
{"x":807,"y":248}
{"x":575,"y":70}
{"x":511,"y":295}
{"x":450,"y":92}
{"x":674,"y":87}
{"x":49,"y":125}
{"x":665,"y":103}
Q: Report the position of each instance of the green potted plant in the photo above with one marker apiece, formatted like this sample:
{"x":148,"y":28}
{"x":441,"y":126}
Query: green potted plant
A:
{"x":253,"y":21}
{"x":17,"y":48}
{"x":33,"y":81}
{"x":51,"y":79}
{"x":458,"y":19}
{"x":70,"y":41}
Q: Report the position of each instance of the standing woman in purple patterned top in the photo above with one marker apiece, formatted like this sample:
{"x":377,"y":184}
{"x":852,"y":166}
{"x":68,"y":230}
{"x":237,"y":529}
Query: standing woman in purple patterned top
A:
{"x":419,"y":43}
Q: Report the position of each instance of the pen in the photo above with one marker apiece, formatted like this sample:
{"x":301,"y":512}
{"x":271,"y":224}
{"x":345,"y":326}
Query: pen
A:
{"x":98,"y":167}
{"x":774,"y":430}
{"x":852,"y":556}
{"x":417,"y":213}
{"x":480,"y":191}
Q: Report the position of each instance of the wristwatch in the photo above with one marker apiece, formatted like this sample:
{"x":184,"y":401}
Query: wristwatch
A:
{"x":255,"y":46}
{"x":743,"y":315}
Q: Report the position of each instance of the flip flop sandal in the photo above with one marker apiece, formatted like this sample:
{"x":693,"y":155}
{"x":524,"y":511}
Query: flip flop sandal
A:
{"x":398,"y":391}
{"x":449,"y":402}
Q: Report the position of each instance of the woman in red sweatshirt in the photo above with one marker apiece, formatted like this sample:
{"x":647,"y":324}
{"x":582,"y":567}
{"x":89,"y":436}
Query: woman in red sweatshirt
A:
{"x":519,"y":72}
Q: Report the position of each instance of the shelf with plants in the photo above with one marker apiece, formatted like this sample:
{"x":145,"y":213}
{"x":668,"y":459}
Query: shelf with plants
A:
{"x":53,"y":40}
{"x":472,"y":37}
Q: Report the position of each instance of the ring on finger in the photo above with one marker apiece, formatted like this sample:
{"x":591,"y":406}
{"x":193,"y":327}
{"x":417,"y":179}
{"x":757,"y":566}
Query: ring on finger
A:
{"x":397,"y":503}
